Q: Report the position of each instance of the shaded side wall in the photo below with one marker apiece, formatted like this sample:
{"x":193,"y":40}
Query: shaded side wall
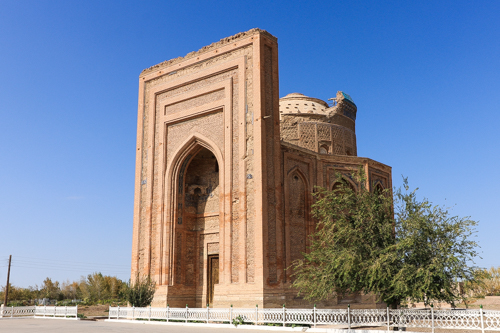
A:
{"x":303,"y":170}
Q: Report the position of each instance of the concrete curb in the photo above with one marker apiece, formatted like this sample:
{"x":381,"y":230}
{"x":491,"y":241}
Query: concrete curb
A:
{"x":60,"y":318}
{"x":240,"y":327}
{"x":38,"y":317}
{"x":249,"y":327}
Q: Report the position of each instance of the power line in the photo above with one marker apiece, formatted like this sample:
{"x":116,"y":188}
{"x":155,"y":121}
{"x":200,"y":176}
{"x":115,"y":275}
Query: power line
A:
{"x":70,"y":270}
{"x":48,"y":265}
{"x":16,"y":264}
{"x":70,"y":261}
{"x":83,"y":266}
{"x":66,"y":265}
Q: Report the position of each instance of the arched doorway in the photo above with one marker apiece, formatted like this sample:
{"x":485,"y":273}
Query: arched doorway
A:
{"x":197,"y":227}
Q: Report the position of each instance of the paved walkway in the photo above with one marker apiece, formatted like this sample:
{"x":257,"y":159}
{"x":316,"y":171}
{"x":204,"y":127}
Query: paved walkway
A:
{"x":31,"y":325}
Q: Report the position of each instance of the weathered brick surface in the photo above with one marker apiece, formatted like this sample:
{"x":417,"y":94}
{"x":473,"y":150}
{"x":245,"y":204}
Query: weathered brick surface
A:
{"x":221,"y":171}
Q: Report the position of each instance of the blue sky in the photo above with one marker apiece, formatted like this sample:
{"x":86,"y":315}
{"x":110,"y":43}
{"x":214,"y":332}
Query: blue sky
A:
{"x":425,"y":77}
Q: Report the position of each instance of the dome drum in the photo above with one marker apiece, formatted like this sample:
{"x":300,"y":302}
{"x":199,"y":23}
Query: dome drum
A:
{"x":309,"y":123}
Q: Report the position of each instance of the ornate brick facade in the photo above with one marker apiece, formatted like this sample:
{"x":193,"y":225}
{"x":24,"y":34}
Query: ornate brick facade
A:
{"x":225,"y":172}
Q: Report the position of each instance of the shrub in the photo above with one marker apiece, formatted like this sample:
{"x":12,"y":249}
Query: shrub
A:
{"x":140,"y":293}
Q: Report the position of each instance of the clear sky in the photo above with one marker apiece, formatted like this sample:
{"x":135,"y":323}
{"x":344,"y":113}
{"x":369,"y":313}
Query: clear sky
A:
{"x":425,"y":76}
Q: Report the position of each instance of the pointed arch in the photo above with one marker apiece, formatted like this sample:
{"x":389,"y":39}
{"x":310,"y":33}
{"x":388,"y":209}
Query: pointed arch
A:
{"x":172,"y":185}
{"x":378,"y":187}
{"x":297,"y":216}
{"x":347,"y":181}
{"x":301,"y":173}
{"x":188,"y":145}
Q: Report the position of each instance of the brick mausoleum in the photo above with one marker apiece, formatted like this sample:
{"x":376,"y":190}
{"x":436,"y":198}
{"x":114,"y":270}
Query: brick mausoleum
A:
{"x":224,"y":175}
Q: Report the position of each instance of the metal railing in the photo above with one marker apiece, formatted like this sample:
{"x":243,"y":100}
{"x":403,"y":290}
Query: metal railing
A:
{"x":39,"y":311}
{"x":426,"y":318}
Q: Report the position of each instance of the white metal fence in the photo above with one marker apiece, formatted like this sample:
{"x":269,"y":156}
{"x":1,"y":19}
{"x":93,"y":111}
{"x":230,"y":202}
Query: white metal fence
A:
{"x":426,"y":318}
{"x":39,"y":311}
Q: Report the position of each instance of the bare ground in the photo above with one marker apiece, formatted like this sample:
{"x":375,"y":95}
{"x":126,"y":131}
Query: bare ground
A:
{"x":489,"y":303}
{"x":93,"y":310}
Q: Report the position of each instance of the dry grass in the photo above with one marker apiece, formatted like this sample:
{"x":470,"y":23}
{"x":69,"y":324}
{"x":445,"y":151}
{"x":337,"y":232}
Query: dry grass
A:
{"x":93,"y":310}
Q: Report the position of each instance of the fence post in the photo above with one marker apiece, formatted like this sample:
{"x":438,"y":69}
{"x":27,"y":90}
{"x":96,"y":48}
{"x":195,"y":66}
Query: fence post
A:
{"x":1,"y":311}
{"x":12,"y":313}
{"x":76,"y":313}
{"x":208,"y":313}
{"x":314,"y":315}
{"x":149,"y":312}
{"x":168,"y":312}
{"x":133,"y":312}
{"x":186,"y":313}
{"x":109,"y":312}
{"x":44,"y":309}
{"x":231,"y":314}
{"x":55,"y":310}
{"x":284,"y":315}
{"x":118,"y":313}
{"x":432,"y":317}
{"x":388,"y":320}
{"x":482,"y":319}
{"x":66,"y":311}
{"x":256,"y":313}
{"x":349,"y":316}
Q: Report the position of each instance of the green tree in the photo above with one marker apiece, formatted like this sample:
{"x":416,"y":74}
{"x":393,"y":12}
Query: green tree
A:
{"x":140,"y":292}
{"x":116,"y":287}
{"x":50,"y":289}
{"x":416,"y":252}
{"x":97,"y":287}
{"x":353,"y":228}
{"x":69,"y":289}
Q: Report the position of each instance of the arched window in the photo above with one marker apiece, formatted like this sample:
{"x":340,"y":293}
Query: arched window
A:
{"x":378,"y":189}
{"x":323,"y":149}
{"x":343,"y":184}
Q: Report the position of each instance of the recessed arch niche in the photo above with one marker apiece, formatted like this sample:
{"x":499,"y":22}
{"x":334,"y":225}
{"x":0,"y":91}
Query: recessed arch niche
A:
{"x":297,"y":216}
{"x":198,"y":194}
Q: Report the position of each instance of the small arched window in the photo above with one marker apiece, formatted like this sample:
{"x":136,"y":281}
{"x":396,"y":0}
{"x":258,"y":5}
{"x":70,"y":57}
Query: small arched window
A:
{"x":342,"y":184}
{"x":378,"y":189}
{"x":323,"y":149}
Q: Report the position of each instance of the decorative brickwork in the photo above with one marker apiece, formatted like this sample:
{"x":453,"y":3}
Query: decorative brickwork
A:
{"x":194,"y":102}
{"x":297,"y":212}
{"x":271,"y":196}
{"x":225,"y":172}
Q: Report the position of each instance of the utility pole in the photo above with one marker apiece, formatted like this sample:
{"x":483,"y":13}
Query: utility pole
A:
{"x":7,"y":286}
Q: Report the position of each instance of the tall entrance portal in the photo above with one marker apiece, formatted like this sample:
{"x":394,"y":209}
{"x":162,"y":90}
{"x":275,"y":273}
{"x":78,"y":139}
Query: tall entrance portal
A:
{"x":208,"y":224}
{"x":196,"y":240}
